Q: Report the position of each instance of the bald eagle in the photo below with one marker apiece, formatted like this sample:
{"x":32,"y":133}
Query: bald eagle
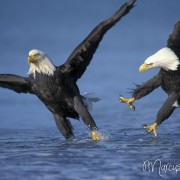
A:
{"x":56,"y":86}
{"x":168,"y":60}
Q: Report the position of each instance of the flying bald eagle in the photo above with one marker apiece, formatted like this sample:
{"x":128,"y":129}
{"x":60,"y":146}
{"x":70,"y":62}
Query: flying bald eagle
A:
{"x":56,"y":86}
{"x":168,"y":60}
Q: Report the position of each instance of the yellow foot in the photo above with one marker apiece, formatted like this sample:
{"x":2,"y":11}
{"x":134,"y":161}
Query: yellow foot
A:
{"x":151,"y":128}
{"x":95,"y":136}
{"x":129,"y":102}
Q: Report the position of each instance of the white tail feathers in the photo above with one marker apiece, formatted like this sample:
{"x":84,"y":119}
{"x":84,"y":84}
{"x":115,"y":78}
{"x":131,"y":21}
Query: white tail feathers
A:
{"x":88,"y":100}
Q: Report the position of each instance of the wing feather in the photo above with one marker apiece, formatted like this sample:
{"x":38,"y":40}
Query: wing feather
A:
{"x":80,"y":58}
{"x":17,"y":83}
{"x":174,"y":39}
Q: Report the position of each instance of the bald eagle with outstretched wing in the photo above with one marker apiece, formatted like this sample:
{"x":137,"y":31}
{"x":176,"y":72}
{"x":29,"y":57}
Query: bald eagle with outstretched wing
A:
{"x":168,"y":60}
{"x":56,"y":86}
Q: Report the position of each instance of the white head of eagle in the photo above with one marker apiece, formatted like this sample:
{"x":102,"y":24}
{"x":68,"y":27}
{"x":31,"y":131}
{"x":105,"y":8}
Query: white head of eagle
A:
{"x":165,"y":58}
{"x":40,"y":62}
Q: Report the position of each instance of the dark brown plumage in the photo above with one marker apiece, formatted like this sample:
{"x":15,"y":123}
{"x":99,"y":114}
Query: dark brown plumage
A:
{"x":56,"y":86}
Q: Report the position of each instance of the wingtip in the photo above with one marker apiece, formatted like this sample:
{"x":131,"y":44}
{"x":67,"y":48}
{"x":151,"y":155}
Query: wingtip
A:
{"x":131,"y":2}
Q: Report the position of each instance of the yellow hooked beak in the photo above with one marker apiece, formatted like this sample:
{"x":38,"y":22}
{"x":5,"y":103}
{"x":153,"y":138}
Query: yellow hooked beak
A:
{"x":31,"y":59}
{"x":145,"y":67}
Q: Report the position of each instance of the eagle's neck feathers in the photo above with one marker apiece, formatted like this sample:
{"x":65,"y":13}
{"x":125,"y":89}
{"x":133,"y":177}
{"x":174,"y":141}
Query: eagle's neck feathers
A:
{"x":44,"y":66}
{"x":170,"y":60}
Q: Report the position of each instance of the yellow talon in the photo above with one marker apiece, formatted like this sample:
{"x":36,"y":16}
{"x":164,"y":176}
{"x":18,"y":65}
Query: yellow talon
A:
{"x":151,"y":128}
{"x":128,"y":101}
{"x":95,"y":136}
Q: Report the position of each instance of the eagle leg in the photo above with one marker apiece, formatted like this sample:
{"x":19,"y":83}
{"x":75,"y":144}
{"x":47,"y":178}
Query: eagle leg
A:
{"x":165,"y":111}
{"x":129,"y":102}
{"x":86,"y":117}
{"x":64,"y":126}
{"x":151,"y":128}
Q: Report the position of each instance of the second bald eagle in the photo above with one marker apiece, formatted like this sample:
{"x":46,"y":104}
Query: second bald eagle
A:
{"x":168,"y":60}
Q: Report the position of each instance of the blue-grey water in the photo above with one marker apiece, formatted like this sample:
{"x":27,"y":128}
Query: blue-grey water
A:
{"x":31,"y":146}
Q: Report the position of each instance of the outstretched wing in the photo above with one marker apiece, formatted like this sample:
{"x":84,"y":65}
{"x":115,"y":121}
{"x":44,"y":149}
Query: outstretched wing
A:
{"x":146,"y":88}
{"x":174,"y":39}
{"x":81,"y":56}
{"x":17,"y":83}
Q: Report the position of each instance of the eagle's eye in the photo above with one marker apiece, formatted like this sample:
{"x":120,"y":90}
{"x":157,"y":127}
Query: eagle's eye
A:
{"x":37,"y":54}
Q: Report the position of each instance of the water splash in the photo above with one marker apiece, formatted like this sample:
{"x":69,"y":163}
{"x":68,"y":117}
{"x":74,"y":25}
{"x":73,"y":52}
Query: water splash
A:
{"x":104,"y":134}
